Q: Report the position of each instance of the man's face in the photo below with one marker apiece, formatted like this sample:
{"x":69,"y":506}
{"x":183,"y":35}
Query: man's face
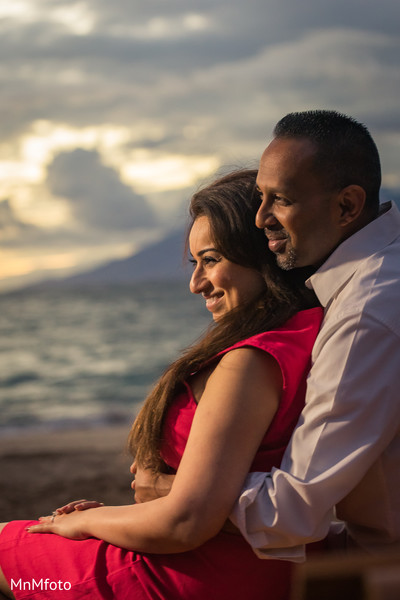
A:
{"x":298,"y":213}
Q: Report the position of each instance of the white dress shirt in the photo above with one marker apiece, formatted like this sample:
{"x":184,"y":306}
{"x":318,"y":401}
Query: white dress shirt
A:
{"x":345,"y":450}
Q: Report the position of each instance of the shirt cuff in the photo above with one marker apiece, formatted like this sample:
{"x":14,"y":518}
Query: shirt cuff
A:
{"x":250,"y":516}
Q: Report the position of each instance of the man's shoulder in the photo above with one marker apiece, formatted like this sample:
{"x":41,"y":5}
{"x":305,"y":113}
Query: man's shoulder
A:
{"x":368,"y":257}
{"x":372,"y":293}
{"x":382,"y":266}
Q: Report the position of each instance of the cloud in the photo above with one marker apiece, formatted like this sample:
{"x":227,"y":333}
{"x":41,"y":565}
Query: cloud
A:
{"x":342,"y":69}
{"x":120,"y":70}
{"x":30,"y":253}
{"x":100,"y":94}
{"x":7,"y":217}
{"x":229,"y":78}
{"x":17,"y":233}
{"x":13,"y":231}
{"x":96,"y":195}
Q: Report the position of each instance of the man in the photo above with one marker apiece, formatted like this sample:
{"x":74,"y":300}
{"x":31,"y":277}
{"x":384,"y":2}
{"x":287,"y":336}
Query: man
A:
{"x":319,"y":183}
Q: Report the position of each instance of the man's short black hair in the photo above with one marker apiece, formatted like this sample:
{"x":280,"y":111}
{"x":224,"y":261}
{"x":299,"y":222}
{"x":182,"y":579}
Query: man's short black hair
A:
{"x":346,"y":154}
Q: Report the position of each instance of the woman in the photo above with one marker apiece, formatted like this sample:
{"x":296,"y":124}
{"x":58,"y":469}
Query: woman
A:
{"x":226,"y":407}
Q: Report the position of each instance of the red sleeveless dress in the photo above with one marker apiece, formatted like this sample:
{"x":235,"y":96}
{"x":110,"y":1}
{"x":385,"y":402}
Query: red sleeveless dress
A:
{"x":225,"y":567}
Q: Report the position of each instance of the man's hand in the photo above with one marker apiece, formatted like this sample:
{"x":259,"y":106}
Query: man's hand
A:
{"x":229,"y":527}
{"x":149,"y":486}
{"x":77,"y":505}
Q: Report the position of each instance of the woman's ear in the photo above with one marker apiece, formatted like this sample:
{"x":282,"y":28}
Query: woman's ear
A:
{"x":351,"y":204}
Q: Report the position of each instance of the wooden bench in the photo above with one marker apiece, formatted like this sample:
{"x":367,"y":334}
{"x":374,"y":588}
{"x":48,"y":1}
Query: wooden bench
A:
{"x":348,"y":576}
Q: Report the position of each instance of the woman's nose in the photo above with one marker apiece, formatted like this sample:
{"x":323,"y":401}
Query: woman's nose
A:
{"x":198,"y":281}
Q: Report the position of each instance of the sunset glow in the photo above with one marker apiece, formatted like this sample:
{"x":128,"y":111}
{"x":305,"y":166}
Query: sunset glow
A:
{"x":149,"y":173}
{"x":114,"y":113}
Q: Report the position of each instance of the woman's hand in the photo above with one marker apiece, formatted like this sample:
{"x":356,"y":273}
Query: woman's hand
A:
{"x":69,"y":525}
{"x":70,"y":528}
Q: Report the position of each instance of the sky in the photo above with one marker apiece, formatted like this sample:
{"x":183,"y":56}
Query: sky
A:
{"x":114,"y":113}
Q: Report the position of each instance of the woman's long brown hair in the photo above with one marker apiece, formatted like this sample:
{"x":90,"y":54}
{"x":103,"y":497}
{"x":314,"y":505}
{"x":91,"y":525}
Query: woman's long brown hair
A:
{"x":230,"y":205}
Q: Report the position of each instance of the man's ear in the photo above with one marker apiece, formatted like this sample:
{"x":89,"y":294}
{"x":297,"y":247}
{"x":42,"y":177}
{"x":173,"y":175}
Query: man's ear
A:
{"x":351,"y":202}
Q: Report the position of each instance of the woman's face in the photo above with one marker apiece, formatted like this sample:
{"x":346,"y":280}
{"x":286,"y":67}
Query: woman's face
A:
{"x":223,"y":284}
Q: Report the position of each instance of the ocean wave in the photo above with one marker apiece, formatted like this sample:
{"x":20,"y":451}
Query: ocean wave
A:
{"x":79,"y":358}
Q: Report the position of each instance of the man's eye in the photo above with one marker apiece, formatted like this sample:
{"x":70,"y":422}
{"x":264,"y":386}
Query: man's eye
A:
{"x":281,"y":199}
{"x":258,"y":193}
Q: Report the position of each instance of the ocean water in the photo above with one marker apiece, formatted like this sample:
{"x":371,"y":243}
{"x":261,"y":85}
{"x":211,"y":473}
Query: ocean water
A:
{"x":85,"y":357}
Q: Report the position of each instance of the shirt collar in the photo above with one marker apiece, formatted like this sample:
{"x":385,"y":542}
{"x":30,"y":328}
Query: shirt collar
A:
{"x":343,"y":262}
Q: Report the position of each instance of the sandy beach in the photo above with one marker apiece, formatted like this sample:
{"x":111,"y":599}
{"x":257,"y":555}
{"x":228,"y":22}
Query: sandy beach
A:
{"x":41,"y":471}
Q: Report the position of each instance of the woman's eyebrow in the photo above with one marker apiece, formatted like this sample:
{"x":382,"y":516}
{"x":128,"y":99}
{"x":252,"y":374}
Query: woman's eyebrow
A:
{"x":201,"y":252}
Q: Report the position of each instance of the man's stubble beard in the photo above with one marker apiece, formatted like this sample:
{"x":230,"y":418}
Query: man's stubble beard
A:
{"x":287,"y":261}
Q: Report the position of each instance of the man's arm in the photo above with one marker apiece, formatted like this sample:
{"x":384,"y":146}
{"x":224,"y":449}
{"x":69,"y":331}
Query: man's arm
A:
{"x":148,"y":485}
{"x":351,"y":416}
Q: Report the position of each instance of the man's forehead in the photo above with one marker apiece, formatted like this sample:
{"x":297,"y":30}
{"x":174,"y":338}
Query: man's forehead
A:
{"x":290,"y":149}
{"x":284,"y":160}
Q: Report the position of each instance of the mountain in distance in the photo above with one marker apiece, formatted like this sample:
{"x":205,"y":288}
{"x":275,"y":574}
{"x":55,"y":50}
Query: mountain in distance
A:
{"x":163,"y":260}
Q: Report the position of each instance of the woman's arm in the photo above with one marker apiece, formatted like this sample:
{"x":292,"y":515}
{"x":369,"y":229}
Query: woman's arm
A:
{"x":239,"y":401}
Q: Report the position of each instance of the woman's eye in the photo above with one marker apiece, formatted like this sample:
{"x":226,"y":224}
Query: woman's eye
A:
{"x":205,"y":260}
{"x":209,"y":260}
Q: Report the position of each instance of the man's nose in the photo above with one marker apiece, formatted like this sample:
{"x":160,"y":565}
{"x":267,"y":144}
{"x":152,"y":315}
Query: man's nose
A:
{"x":264,"y":217}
